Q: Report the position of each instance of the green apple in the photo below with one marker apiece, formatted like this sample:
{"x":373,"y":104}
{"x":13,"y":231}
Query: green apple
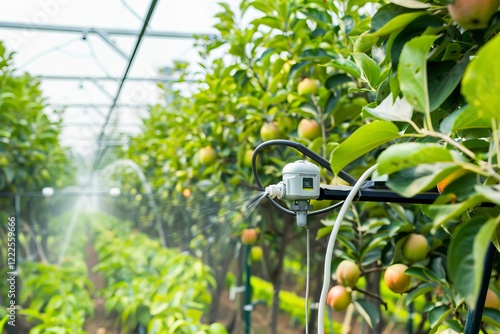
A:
{"x":207,"y":155}
{"x":247,"y":158}
{"x":269,"y":131}
{"x":308,"y":86}
{"x":256,"y":253}
{"x":348,"y":273}
{"x":415,"y":247}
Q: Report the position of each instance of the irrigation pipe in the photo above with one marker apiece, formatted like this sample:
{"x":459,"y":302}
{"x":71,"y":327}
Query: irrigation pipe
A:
{"x":331,"y":243}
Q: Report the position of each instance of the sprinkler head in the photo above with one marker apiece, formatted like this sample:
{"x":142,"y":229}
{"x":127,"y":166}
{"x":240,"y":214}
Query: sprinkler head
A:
{"x":301,"y":184}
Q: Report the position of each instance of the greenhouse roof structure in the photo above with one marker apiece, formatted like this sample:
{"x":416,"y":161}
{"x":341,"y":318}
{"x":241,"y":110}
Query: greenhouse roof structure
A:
{"x":102,"y":61}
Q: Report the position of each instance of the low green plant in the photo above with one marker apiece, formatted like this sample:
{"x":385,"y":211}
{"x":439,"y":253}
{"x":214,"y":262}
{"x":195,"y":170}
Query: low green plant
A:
{"x":290,"y":303}
{"x":57,"y":298}
{"x":163,"y":289}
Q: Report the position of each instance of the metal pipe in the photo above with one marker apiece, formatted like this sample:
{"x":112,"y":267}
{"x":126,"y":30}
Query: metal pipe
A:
{"x":125,"y":74}
{"x":111,"y":43}
{"x":474,"y":316}
{"x":102,"y":105}
{"x":247,"y":297}
{"x":108,"y":31}
{"x":377,"y":195}
{"x":100,"y":78}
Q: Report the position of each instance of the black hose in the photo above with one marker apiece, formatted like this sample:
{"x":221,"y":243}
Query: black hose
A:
{"x":307,"y":152}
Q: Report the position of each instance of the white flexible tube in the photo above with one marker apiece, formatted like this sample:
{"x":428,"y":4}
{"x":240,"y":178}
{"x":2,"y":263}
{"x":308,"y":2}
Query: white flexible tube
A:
{"x":331,"y":244}
{"x":308,"y":274}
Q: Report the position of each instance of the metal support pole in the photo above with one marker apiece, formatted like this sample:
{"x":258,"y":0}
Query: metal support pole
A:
{"x":17,"y":217}
{"x":473,"y":321}
{"x":105,"y":37}
{"x":410,"y":318}
{"x":247,"y":297}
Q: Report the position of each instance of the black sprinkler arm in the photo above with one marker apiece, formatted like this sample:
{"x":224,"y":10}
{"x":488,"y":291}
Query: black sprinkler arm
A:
{"x":301,"y":148}
{"x":377,"y":192}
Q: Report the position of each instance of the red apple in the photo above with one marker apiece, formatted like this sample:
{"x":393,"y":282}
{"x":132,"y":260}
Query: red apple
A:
{"x":396,"y":279}
{"x":491,"y":300}
{"x":309,"y":129}
{"x":473,"y":14}
{"x":338,"y":298}
{"x":249,"y":236}
{"x":187,"y":192}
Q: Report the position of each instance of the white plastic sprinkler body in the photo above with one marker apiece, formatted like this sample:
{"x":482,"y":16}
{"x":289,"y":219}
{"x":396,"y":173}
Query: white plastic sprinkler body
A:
{"x":300,"y":182}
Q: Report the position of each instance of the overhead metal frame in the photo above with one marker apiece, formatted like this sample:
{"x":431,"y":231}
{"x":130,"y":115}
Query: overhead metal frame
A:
{"x":100,"y":152}
{"x":104,"y":34}
{"x":101,"y":78}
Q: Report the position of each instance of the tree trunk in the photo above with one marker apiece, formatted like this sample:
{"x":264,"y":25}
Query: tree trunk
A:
{"x":373,"y":285}
{"x":311,"y":325}
{"x":277,"y":273}
{"x":220,"y":277}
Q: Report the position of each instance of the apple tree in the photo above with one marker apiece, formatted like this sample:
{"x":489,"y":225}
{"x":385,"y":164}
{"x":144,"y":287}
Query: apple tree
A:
{"x":358,"y":82}
{"x":434,"y":124}
{"x":273,"y":82}
{"x":31,"y":156}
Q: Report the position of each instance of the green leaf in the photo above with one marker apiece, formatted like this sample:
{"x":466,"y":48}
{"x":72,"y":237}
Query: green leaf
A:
{"x":411,"y":181}
{"x":491,"y":193}
{"x":367,"y":311}
{"x":362,"y":141}
{"x":422,"y":273}
{"x":347,"y":66}
{"x":336,"y":80}
{"x":397,"y":23}
{"x":420,"y":290}
{"x":398,"y":110}
{"x":269,"y":21}
{"x":411,"y":4}
{"x":481,"y":242}
{"x":462,"y":255}
{"x":323,"y":231}
{"x":369,"y":68}
{"x":464,"y":118}
{"x":179,"y":323}
{"x":412,"y":72}
{"x":416,"y":28}
{"x":437,"y":315}
{"x":490,"y":316}
{"x":364,"y":42}
{"x":262,"y":6}
{"x":444,"y":77}
{"x":406,"y":155}
{"x":442,"y":213}
{"x":5,"y":318}
{"x":296,"y":69}
{"x":481,"y":80}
